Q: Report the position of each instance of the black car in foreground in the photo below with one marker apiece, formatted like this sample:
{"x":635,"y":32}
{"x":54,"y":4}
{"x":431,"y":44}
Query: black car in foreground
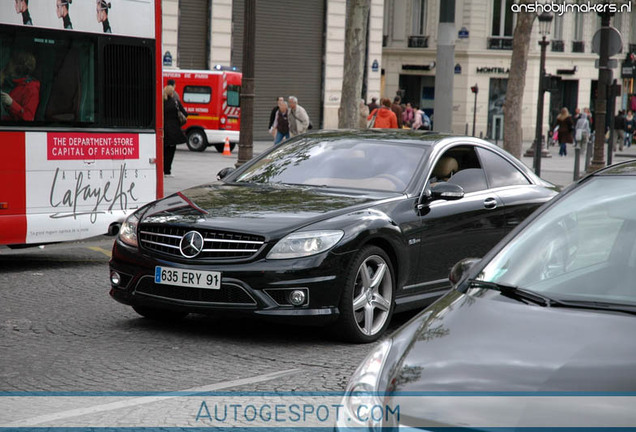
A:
{"x":338,"y":227}
{"x":539,"y":333}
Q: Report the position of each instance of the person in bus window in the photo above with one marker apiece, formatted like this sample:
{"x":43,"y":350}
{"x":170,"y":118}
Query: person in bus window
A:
{"x":20,"y":94}
{"x":62,"y":12}
{"x":22,"y":7}
{"x":102,"y":15}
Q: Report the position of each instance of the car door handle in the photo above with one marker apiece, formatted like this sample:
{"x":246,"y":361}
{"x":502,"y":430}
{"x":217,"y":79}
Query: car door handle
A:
{"x":490,"y":203}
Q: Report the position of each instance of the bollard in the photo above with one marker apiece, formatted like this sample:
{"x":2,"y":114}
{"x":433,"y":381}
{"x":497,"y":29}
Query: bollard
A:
{"x":588,"y":154}
{"x":577,"y":156}
{"x":466,"y":133}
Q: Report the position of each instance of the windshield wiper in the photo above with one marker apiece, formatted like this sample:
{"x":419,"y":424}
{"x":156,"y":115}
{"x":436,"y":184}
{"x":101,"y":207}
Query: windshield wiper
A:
{"x":596,"y":305}
{"x":515,"y":293}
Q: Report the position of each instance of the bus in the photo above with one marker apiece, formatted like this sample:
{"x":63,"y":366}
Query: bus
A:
{"x":212,"y":100}
{"x":80,"y":117}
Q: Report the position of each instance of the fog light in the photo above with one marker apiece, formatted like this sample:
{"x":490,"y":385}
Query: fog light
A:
{"x":115,"y":279}
{"x":297,"y":297}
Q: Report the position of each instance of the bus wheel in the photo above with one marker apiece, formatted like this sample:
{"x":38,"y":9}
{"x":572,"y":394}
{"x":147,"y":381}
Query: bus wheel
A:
{"x":197,"y":140}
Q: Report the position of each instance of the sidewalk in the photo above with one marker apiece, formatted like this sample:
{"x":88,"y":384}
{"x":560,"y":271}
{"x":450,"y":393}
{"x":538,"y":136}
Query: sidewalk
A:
{"x":192,"y":168}
{"x":560,"y":170}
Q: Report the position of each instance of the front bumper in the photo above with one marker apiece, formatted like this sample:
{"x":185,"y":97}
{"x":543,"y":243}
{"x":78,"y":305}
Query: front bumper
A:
{"x":259,"y":287}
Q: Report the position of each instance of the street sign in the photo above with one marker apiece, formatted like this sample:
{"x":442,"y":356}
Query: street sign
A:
{"x":463,"y":33}
{"x":167,"y":59}
{"x":375,"y":66}
{"x":458,"y":69}
{"x":611,"y":64}
{"x":615,"y":45}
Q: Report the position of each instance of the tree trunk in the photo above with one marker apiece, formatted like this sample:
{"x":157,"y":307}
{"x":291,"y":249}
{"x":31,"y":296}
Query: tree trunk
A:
{"x":355,"y":53}
{"x":513,"y":105}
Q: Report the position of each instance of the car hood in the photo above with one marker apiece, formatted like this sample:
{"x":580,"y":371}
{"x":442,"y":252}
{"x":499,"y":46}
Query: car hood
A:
{"x":490,"y":343}
{"x":255,"y":209}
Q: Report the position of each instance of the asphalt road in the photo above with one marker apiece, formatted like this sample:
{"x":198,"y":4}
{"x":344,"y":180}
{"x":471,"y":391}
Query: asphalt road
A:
{"x":60,"y":331}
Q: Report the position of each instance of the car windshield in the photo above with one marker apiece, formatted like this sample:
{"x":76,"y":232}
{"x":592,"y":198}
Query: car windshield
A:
{"x":582,"y":249}
{"x":344,"y":163}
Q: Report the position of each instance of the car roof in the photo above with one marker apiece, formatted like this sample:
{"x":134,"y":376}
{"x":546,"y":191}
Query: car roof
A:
{"x":621,"y":168}
{"x":430,"y":138}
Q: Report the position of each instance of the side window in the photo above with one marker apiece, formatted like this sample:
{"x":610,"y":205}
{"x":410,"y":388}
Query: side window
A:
{"x":233,"y":95}
{"x":197,"y":94}
{"x":460,"y":165}
{"x":499,"y":171}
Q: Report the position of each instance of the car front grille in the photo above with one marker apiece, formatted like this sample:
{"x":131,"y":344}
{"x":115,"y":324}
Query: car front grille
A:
{"x":229,"y":294}
{"x":218,"y":244}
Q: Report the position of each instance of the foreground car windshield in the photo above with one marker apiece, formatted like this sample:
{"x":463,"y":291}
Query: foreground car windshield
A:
{"x":355,"y":163}
{"x":583,"y":248}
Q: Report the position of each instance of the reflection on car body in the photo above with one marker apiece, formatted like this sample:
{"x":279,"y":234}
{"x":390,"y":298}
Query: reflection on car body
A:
{"x":550,"y":311}
{"x":332,"y":227}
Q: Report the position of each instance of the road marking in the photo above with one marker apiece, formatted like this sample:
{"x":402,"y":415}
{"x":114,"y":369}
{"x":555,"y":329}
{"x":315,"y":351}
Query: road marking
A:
{"x":147,"y":399}
{"x":101,"y":250}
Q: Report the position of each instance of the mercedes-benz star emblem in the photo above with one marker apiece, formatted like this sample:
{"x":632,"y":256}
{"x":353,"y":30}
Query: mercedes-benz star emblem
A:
{"x":191,"y":244}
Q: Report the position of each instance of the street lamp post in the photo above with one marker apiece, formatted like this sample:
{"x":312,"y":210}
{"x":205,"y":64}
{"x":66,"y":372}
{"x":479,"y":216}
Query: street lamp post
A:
{"x":545,"y":19}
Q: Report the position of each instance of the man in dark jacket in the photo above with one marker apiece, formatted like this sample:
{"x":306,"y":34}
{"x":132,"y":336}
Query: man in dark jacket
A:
{"x":619,"y":130}
{"x":374,"y":104}
{"x":397,"y":109}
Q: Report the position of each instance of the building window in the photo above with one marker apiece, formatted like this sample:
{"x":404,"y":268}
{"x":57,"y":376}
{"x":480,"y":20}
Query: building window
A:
{"x":419,"y":18}
{"x":502,"y":18}
{"x":578,"y":26}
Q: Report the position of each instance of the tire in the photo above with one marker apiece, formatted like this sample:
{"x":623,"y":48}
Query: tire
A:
{"x":197,"y":141}
{"x":221,"y":147}
{"x":366,"y":305}
{"x":159,"y":314}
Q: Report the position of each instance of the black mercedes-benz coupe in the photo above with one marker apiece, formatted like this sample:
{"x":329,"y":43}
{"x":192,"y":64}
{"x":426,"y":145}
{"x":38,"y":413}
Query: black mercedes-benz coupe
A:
{"x":332,"y":227}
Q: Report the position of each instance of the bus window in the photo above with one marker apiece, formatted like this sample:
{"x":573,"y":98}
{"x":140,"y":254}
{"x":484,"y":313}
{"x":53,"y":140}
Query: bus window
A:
{"x":233,"y":95}
{"x":197,"y":94}
{"x":57,"y":81}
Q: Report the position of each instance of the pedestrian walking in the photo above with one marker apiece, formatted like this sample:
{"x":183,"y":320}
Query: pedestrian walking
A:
{"x":630,"y":127}
{"x":374,"y":104}
{"x":272,"y":115}
{"x":172,"y":133}
{"x":582,"y":132}
{"x":383,"y":117}
{"x":397,"y":109}
{"x":619,"y":130}
{"x":364,"y":113}
{"x":280,"y":127}
{"x":298,"y":118}
{"x":566,"y":126}
{"x":408,"y":116}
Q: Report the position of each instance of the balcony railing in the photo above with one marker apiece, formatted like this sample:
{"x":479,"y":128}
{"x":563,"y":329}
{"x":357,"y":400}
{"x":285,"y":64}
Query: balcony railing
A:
{"x":418,"y":41}
{"x":578,"y":46}
{"x":500,"y":43}
{"x":558,"y":46}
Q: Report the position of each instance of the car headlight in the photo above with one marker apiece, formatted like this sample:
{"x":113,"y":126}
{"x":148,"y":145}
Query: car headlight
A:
{"x":128,"y":230}
{"x":302,"y":244}
{"x":363,"y":392}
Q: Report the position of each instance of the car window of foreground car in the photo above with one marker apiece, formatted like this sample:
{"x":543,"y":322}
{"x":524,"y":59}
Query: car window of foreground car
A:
{"x":581,"y":249}
{"x":348,"y":163}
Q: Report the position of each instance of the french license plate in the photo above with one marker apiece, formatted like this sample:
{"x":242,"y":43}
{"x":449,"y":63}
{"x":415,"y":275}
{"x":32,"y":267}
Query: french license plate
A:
{"x":188,"y":278}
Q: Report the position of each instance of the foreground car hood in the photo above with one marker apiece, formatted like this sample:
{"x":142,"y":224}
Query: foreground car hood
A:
{"x":494,"y":344}
{"x":254,"y":209}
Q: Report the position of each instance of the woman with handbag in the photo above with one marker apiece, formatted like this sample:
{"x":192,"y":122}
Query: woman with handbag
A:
{"x":172,"y":133}
{"x":566,"y":127}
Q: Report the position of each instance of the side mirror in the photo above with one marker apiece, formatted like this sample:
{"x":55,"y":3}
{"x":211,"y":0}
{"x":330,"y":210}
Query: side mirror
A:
{"x":460,"y":269}
{"x":440,"y":191}
{"x":224,"y":173}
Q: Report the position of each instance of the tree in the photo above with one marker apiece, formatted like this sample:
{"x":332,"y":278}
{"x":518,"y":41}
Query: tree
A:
{"x":513,"y":136}
{"x":354,"y":60}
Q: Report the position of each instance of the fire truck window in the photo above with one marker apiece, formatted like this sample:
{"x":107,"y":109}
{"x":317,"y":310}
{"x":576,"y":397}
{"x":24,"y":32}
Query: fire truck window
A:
{"x":197,"y":94}
{"x":233,"y":95}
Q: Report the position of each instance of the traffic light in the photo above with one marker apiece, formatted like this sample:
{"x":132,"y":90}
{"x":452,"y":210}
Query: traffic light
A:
{"x":474,"y":89}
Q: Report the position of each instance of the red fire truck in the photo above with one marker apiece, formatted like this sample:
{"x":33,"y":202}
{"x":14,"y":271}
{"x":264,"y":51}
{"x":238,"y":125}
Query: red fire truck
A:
{"x":212,"y":100}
